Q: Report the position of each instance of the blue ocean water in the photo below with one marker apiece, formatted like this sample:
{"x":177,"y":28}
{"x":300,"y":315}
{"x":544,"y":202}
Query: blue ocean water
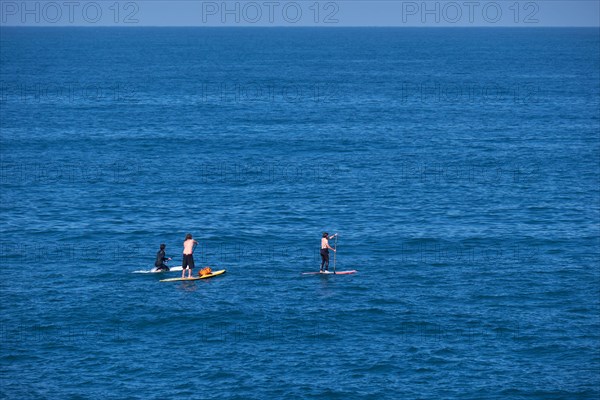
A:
{"x":460,"y":168}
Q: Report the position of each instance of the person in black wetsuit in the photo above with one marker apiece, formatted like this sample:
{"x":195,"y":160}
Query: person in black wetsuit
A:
{"x":161,"y":258}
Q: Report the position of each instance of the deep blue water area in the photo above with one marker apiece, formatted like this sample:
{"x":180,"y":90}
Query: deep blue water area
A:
{"x":460,"y":168}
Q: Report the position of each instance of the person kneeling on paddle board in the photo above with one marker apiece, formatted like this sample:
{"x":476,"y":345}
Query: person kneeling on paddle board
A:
{"x":188,"y":255}
{"x":325,"y":251}
{"x":160,"y":259}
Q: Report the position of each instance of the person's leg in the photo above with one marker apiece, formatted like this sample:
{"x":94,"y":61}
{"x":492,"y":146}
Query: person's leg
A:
{"x":322,"y":261}
{"x":327,"y":261}
{"x":183,"y":266}
{"x":191,"y":264}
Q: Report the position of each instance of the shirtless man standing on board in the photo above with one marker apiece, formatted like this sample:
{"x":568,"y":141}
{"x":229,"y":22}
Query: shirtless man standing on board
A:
{"x":188,"y":255}
{"x":325,"y":251}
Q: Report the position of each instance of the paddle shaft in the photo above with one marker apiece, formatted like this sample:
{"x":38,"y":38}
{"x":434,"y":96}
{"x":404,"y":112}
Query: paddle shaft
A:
{"x":334,"y":253}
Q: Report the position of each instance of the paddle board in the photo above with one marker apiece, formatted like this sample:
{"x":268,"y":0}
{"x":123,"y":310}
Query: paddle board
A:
{"x":194,"y":278}
{"x":155,"y":271}
{"x":331,"y":273}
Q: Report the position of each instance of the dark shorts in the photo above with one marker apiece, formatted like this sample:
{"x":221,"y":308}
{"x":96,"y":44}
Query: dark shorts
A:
{"x":325,"y":254}
{"x":188,"y":261}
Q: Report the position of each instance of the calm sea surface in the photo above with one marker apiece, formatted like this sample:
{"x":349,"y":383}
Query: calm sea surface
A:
{"x":459,"y":166}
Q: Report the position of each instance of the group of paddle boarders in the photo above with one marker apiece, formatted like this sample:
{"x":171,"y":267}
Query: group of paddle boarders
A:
{"x":189,"y":245}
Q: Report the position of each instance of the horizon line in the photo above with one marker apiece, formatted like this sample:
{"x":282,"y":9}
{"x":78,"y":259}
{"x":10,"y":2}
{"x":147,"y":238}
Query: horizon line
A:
{"x":306,"y":26}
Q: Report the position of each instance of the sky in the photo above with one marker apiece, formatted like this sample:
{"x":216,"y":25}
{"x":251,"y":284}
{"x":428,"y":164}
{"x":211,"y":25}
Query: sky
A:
{"x":283,"y":13}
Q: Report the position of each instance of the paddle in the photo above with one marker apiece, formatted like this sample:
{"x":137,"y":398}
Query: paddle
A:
{"x":334,"y":253}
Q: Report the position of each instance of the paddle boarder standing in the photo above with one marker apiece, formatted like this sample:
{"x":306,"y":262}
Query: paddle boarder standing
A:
{"x":188,"y":255}
{"x":161,"y":258}
{"x":325,"y":251}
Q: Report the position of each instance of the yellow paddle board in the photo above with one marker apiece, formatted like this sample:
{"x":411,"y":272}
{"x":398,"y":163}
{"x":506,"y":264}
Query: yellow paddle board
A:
{"x":195,"y":278}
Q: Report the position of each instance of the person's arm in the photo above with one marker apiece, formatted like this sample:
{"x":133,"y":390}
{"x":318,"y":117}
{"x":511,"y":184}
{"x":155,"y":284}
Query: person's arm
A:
{"x":329,"y":247}
{"x":332,"y":236}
